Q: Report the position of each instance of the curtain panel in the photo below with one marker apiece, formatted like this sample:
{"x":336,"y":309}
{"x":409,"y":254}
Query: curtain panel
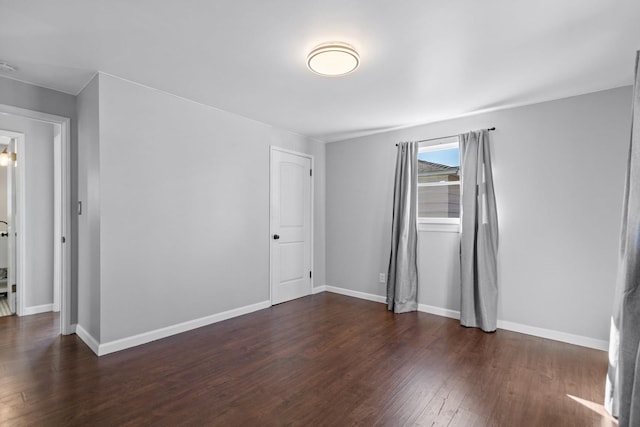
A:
{"x":479,"y":235}
{"x":402,"y":276}
{"x":622,"y":396}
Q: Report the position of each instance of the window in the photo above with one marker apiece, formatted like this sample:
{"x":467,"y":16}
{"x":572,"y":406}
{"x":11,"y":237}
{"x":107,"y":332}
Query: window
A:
{"x":439,"y":181}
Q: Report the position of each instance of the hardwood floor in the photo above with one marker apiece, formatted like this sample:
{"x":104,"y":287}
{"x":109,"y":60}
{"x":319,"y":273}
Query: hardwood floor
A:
{"x":323,"y":360}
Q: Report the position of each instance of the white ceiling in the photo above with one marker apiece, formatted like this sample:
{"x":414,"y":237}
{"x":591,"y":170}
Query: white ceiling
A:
{"x":422,"y":60}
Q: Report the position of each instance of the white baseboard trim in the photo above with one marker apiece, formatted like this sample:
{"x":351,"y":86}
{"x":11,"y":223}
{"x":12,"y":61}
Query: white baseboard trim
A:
{"x":356,"y":294}
{"x":554,"y":335}
{"x":71,"y":330}
{"x":502,"y":324}
{"x":145,"y":337}
{"x":318,"y":289}
{"x":439,"y":311}
{"x":85,"y":336}
{"x":36,"y":309}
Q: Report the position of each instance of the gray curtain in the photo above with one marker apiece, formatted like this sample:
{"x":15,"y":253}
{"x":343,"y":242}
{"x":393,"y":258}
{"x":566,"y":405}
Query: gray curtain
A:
{"x":479,"y":235}
{"x":402,"y":277}
{"x":622,"y":397}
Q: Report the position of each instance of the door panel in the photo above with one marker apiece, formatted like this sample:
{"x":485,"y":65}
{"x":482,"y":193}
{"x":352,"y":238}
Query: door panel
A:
{"x":290,"y":226}
{"x":293,"y":268}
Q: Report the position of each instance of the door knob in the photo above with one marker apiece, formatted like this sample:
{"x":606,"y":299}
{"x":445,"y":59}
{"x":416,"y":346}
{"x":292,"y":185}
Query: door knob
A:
{"x":276,"y":237}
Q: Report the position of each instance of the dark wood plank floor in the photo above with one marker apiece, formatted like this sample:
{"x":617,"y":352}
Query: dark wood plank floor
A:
{"x":324,"y":360}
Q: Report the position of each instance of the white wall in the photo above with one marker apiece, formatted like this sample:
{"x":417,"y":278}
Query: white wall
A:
{"x":183,"y":208}
{"x":559,"y":172}
{"x":88,"y":239}
{"x":38,"y":280}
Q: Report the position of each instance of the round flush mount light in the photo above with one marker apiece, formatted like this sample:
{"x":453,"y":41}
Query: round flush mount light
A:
{"x":333,"y":59}
{"x":5,"y":67}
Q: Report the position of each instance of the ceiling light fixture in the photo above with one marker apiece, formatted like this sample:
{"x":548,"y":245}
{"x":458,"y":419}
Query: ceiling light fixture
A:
{"x":7,"y":157}
{"x":333,"y":59}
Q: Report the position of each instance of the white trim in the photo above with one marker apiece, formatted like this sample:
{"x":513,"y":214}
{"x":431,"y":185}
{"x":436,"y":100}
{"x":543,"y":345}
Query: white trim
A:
{"x":20,"y":229}
{"x":64,"y":248}
{"x":57,"y":211}
{"x":145,"y":337}
{"x":295,"y":153}
{"x":62,"y":226}
{"x":554,"y":335}
{"x":438,"y":311}
{"x":438,"y":184}
{"x":273,"y":148}
{"x":435,"y":227}
{"x":502,"y":324}
{"x":437,"y":144}
{"x":85,"y":336}
{"x":15,"y":276}
{"x":37,"y":309}
{"x":318,"y":289}
{"x":73,"y":328}
{"x":357,"y":294}
{"x":526,"y":329}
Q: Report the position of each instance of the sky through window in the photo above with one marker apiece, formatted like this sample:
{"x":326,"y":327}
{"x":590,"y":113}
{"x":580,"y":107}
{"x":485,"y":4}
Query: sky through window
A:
{"x":447,"y":157}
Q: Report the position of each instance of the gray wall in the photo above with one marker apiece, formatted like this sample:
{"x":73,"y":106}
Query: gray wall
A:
{"x":559,"y":172}
{"x":89,"y":222}
{"x":24,"y":95}
{"x":183,"y":208}
{"x":38,"y":215}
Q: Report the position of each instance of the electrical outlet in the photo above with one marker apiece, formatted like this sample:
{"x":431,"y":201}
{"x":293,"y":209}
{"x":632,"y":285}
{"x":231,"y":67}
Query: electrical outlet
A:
{"x":383,"y":279}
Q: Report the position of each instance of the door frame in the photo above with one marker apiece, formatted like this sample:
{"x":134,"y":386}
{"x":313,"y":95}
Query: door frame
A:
{"x":273,"y":148}
{"x":61,"y":213}
{"x":14,"y":191}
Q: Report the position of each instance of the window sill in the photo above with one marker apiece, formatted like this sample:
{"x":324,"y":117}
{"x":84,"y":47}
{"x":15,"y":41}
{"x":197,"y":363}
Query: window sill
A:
{"x":443,"y":225}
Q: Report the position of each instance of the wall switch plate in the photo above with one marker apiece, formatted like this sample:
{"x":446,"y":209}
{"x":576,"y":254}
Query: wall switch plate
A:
{"x":383,"y":279}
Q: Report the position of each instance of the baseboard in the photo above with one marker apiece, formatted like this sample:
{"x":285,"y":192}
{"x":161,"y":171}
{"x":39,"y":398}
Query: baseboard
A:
{"x":502,"y":324}
{"x":439,"y":311}
{"x":36,"y":309}
{"x":554,"y":335}
{"x":356,"y":294}
{"x":318,"y":289}
{"x":146,"y":337}
{"x":90,"y":341}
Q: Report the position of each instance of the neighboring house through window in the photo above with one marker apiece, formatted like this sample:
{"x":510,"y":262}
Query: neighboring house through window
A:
{"x":439,"y":181}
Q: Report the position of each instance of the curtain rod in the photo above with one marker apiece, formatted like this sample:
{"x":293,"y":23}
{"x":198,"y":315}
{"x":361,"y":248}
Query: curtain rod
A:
{"x":450,"y":136}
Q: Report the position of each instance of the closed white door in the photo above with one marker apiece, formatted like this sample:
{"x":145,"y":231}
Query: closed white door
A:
{"x":290,"y":226}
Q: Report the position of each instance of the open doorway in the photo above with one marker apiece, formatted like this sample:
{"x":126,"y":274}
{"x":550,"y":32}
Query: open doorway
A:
{"x":8,"y":157}
{"x":37,"y":214}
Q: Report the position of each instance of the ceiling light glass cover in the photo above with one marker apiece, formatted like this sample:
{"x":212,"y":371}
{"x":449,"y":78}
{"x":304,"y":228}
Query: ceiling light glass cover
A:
{"x":333,"y":59}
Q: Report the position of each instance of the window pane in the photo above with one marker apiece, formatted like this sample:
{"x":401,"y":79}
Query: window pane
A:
{"x":439,"y":201}
{"x":447,"y":157}
{"x":439,"y":166}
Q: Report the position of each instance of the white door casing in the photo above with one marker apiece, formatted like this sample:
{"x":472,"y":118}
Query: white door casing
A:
{"x":12,"y":230}
{"x":12,"y":219}
{"x":62,"y":219}
{"x":290,"y":225}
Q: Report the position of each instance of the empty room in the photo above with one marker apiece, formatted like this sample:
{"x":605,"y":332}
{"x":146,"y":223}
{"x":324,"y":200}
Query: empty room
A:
{"x":252,"y":213}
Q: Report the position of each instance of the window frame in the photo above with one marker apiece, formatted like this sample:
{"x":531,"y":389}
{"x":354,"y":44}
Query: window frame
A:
{"x":437,"y":145}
